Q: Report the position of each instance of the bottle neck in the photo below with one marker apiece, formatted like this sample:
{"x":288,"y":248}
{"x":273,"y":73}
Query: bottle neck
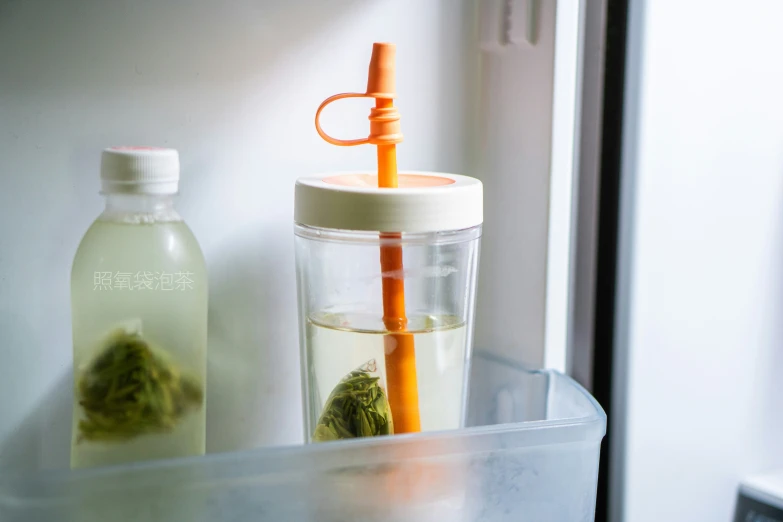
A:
{"x":140,"y":208}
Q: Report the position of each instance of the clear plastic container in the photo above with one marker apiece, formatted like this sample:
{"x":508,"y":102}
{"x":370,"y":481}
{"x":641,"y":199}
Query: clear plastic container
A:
{"x":530,"y":453}
{"x":366,"y":365}
{"x":139,"y":316}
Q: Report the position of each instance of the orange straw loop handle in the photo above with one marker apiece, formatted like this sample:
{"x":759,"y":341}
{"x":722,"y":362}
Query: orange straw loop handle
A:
{"x":384,"y":122}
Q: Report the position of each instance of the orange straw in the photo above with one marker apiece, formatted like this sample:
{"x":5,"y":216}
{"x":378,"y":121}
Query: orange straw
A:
{"x":401,"y":382}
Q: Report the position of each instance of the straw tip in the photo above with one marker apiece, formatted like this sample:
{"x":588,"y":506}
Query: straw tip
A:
{"x":380,"y":80}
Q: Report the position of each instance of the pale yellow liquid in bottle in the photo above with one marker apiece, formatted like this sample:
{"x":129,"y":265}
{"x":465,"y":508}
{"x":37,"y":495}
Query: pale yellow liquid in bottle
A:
{"x":149,"y":277}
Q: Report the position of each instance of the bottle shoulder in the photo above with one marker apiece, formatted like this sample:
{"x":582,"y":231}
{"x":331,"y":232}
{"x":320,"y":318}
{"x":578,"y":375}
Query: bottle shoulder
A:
{"x":109,"y":242}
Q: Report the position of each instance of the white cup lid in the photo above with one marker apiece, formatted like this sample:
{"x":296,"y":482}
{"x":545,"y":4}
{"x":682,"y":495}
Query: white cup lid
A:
{"x":423,"y":202}
{"x":139,"y":170}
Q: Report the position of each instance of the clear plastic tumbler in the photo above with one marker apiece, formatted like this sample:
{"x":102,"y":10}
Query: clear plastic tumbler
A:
{"x":386,"y":281}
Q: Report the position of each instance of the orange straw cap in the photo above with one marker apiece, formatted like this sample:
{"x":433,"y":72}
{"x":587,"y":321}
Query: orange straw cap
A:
{"x":384,"y":117}
{"x":380,"y":77}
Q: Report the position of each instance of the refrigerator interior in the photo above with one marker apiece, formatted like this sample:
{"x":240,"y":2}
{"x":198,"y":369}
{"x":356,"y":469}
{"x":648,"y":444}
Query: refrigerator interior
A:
{"x":234,"y":87}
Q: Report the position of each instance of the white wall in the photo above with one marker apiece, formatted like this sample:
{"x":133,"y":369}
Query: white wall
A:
{"x":703,"y":240}
{"x":234,"y":86}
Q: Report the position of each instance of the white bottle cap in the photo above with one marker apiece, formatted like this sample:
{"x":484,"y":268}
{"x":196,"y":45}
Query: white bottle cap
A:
{"x":139,"y":170}
{"x":423,"y":202}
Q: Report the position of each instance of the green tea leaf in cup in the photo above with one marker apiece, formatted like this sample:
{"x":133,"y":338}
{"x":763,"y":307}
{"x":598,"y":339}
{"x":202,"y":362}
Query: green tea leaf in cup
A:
{"x":357,"y":407}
